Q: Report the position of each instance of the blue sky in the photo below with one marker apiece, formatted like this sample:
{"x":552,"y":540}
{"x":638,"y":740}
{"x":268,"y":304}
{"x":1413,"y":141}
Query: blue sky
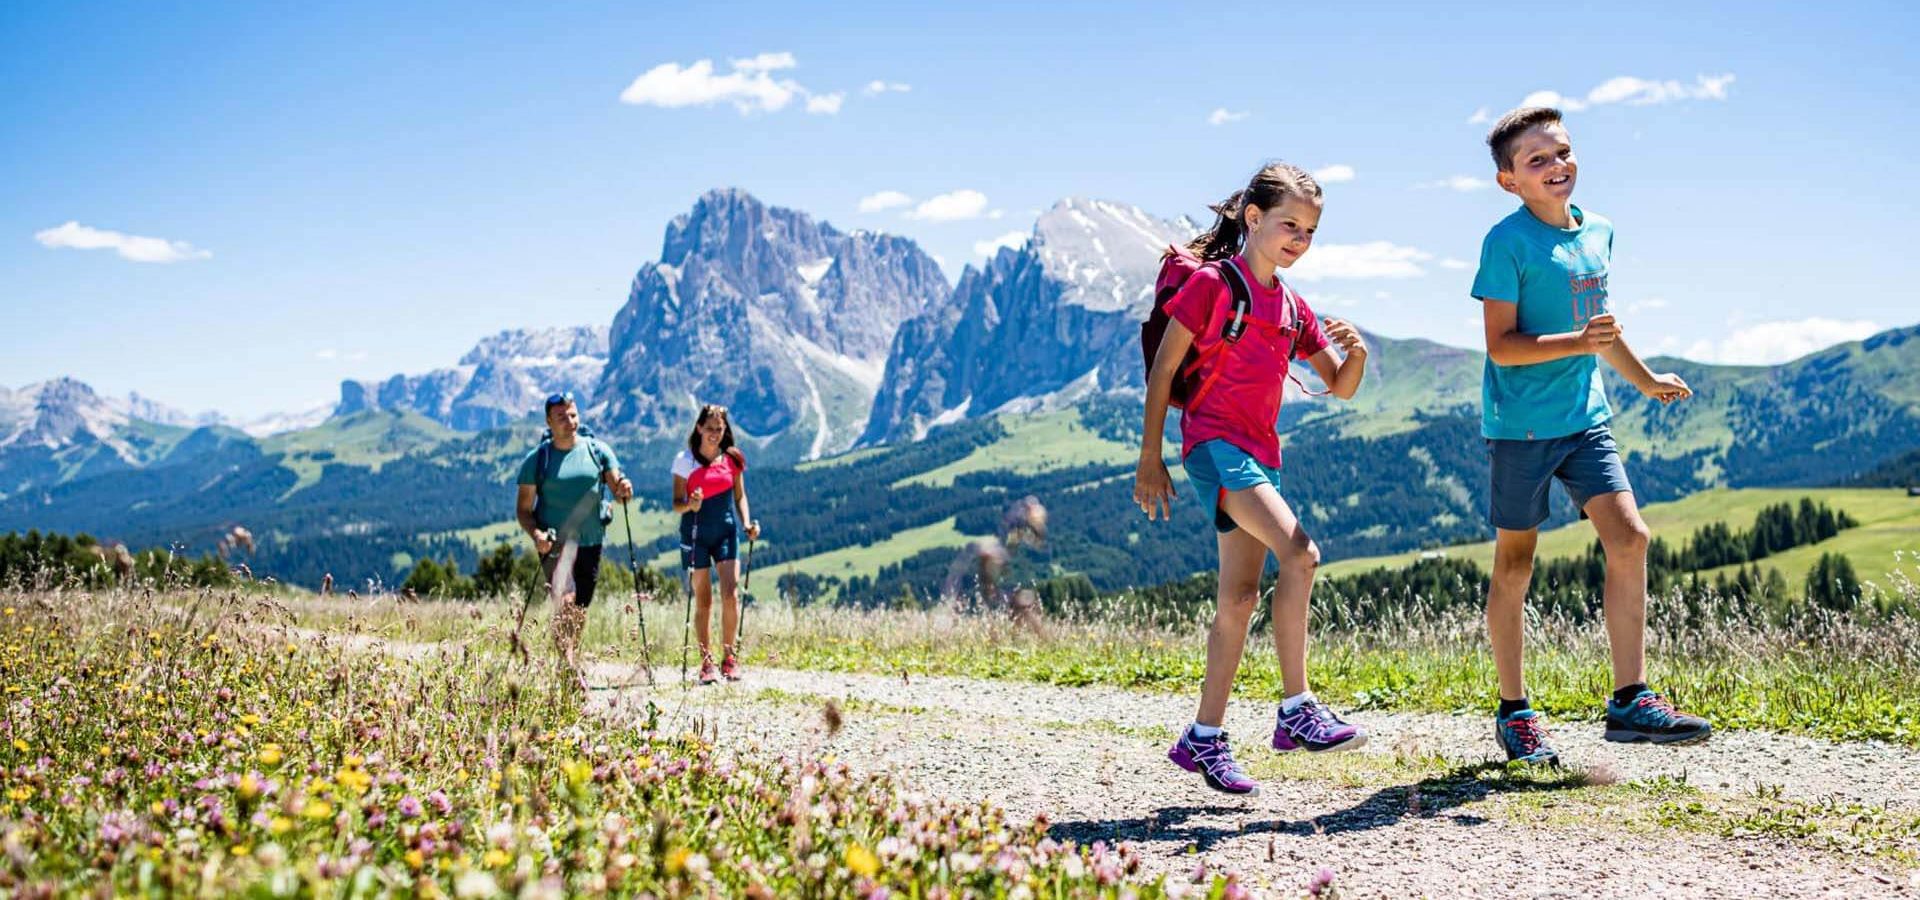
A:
{"x":357,"y":189}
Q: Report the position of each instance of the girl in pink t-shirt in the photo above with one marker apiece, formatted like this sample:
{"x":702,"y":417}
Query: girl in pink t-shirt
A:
{"x":1231,"y":451}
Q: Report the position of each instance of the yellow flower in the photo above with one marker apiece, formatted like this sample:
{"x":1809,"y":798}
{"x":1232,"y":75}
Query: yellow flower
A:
{"x":249,"y":786}
{"x":496,"y":858}
{"x":158,"y":808}
{"x":318,"y":809}
{"x":677,"y":860}
{"x":577,"y":771}
{"x":861,"y":861}
{"x":355,"y":761}
{"x":270,"y":755}
{"x":241,"y":850}
{"x":250,"y":719}
{"x":280,"y":825}
{"x":9,"y":610}
{"x":20,"y":793}
{"x":416,"y":859}
{"x":20,"y":745}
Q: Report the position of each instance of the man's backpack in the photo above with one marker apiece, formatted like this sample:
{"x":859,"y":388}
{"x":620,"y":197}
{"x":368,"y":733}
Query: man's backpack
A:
{"x":599,"y":463}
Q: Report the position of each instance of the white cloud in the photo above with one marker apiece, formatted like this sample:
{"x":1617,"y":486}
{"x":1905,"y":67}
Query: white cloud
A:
{"x":1011,"y":240}
{"x":747,"y":85}
{"x":1777,"y":342}
{"x":1635,"y":92}
{"x":1649,"y":303}
{"x":884,"y":200}
{"x":766,"y":62}
{"x":1455,"y":264}
{"x":1221,"y":116}
{"x":131,"y":247}
{"x":997,"y":214}
{"x":1461,"y":183}
{"x":1382,"y":295}
{"x":1334,"y":174}
{"x":877,"y":87}
{"x":1480,"y":116}
{"x":826,"y":104}
{"x":327,"y":353}
{"x":1374,"y":259}
{"x":951,"y":207}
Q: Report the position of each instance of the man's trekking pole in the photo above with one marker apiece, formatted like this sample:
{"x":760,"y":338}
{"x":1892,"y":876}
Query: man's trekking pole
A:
{"x":519,"y":646}
{"x":639,"y":606}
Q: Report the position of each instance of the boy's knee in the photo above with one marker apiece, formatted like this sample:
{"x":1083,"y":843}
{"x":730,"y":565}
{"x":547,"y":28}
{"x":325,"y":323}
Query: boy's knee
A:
{"x":1238,"y":601}
{"x":1512,"y":564}
{"x":1632,"y":541}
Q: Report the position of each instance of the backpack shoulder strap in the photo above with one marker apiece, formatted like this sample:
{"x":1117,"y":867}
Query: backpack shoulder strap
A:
{"x":540,"y":466}
{"x":1236,"y":324}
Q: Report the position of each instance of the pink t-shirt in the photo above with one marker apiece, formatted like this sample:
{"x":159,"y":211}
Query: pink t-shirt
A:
{"x":1242,"y":406}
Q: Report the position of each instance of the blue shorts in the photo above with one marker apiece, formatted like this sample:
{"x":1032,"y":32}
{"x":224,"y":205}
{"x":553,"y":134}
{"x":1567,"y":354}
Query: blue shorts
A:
{"x":710,"y":545}
{"x":1216,"y":467}
{"x":1587,"y":464}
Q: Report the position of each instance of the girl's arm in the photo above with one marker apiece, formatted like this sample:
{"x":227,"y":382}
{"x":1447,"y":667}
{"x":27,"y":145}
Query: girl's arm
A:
{"x":1341,"y":376}
{"x":1152,"y":485}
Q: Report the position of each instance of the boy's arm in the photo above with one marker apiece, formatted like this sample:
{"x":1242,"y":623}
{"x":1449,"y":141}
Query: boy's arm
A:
{"x":1507,"y":345}
{"x":1665,"y":387}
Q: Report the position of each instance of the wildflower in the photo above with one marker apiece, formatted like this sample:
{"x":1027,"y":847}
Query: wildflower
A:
{"x":18,"y":744}
{"x":416,"y":859}
{"x":677,"y":860}
{"x":861,"y":861}
{"x":280,"y":825}
{"x":495,"y":858}
{"x":318,"y":809}
{"x":438,"y":799}
{"x":249,"y":786}
{"x":270,"y":755}
{"x":1321,"y":883}
{"x":240,"y":850}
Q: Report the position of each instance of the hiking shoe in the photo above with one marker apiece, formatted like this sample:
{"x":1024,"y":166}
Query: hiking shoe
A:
{"x":708,"y":674}
{"x":730,"y":668}
{"x":1313,"y":726}
{"x":1651,"y":717}
{"x":1524,"y":736}
{"x":1211,"y":758}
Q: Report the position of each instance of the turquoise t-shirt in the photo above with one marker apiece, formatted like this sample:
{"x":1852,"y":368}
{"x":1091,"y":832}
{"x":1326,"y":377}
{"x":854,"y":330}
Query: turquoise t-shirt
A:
{"x":1558,"y":278}
{"x":569,"y":495}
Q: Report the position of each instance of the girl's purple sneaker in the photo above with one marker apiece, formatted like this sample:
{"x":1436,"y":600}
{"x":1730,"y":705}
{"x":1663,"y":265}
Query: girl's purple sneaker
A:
{"x":1312,"y":726}
{"x":1211,"y":758}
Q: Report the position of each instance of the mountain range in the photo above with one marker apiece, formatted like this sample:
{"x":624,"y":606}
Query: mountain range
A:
{"x":823,"y":341}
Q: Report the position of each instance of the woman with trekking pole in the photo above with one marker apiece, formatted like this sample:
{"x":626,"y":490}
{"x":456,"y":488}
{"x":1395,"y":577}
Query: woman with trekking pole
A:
{"x":710,"y":494}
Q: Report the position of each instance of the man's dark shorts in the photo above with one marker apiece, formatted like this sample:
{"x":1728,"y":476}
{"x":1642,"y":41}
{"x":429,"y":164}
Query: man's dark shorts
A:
{"x":586,"y":572}
{"x":1587,"y":464}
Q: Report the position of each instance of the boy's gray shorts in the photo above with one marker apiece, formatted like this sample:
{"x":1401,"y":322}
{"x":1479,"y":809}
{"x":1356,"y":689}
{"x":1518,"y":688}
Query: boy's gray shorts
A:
{"x":1586,"y":462}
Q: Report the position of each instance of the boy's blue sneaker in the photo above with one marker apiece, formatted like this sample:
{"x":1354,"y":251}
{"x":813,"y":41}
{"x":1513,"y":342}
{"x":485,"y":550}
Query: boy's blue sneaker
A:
{"x":1524,"y":737}
{"x":1651,"y":717}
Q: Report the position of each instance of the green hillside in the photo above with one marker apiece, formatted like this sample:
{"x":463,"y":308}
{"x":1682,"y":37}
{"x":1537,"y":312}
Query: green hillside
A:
{"x":1889,"y":525}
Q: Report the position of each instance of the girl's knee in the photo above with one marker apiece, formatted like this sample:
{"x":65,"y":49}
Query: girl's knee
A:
{"x":1238,"y":602}
{"x":1299,"y":552}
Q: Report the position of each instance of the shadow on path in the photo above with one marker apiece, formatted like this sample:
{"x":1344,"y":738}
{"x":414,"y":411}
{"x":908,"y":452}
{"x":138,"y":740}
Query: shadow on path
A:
{"x":1427,"y":798}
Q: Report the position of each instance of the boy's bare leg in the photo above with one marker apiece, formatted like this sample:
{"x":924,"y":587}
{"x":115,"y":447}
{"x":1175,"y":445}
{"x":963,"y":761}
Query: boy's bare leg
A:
{"x":1624,"y":536}
{"x":1242,"y":558}
{"x":1506,"y":607}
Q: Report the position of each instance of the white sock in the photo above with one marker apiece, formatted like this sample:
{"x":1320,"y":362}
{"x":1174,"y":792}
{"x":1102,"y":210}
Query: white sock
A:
{"x":1292,"y":703}
{"x":1203,"y":731}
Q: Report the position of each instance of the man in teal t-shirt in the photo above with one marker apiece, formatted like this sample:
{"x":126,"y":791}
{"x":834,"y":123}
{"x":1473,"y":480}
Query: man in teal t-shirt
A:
{"x":1543,"y":287}
{"x":558,"y":506}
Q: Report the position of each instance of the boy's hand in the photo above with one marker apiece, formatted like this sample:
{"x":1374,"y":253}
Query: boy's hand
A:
{"x":1666,"y":388}
{"x":1599,"y":334}
{"x":1153,"y":488}
{"x":1343,"y":333}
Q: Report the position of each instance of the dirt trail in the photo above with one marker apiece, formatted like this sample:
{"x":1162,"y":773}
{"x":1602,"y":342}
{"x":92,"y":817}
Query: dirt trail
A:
{"x":1092,"y":760}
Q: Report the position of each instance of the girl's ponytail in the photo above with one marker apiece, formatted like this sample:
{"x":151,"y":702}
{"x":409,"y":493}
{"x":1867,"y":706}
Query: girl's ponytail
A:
{"x":1270,"y":187}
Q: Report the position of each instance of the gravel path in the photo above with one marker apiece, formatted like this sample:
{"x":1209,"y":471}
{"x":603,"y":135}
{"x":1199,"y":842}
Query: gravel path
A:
{"x":1092,"y":760}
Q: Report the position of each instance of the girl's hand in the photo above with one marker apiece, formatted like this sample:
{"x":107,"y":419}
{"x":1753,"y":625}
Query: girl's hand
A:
{"x":693,"y":500}
{"x":753,"y":531}
{"x":1153,"y":488}
{"x":1342,"y":332}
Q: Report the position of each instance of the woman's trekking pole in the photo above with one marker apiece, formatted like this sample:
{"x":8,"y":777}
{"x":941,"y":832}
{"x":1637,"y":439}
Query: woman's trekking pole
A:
{"x":686,"y":568}
{"x":746,"y":586}
{"x":639,"y":605}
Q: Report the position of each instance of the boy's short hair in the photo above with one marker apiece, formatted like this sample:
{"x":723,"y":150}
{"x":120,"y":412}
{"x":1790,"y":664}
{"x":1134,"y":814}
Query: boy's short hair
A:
{"x":1511,"y":126}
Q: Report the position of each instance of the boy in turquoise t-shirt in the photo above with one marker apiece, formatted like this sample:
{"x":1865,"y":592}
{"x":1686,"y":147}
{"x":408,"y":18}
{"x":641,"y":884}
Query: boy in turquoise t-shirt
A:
{"x":1543,"y":283}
